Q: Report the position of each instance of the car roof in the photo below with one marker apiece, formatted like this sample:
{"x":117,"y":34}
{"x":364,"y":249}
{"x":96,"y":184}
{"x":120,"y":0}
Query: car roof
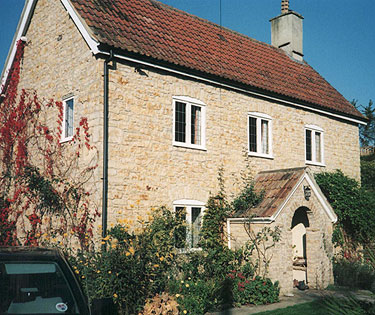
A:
{"x":29,"y":253}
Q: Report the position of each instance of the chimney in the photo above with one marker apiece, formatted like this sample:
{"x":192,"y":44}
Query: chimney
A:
{"x":286,"y":31}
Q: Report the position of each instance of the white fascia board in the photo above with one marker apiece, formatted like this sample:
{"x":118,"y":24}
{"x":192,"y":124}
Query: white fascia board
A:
{"x":323,"y":201}
{"x":83,"y":29}
{"x":223,"y":85}
{"x":20,"y":31}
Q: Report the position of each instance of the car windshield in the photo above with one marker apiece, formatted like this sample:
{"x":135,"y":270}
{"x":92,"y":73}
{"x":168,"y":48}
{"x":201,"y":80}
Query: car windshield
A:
{"x":34,"y":288}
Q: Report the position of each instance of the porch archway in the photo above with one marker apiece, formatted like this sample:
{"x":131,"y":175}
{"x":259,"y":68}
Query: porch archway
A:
{"x":299,"y":224}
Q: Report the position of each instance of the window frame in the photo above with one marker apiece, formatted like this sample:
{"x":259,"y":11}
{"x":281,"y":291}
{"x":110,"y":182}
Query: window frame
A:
{"x":189,"y":101}
{"x":188,"y":204}
{"x":259,"y":117}
{"x":63,"y":127}
{"x":314,"y":129}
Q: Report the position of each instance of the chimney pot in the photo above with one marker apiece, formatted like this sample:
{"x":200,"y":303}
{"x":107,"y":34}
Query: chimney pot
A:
{"x":284,"y":6}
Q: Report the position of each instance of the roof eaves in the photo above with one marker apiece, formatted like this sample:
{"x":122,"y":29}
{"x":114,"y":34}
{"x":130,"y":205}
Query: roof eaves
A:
{"x":228,"y":83}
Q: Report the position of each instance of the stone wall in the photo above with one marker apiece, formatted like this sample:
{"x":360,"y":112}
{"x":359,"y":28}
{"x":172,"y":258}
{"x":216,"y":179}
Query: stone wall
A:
{"x":147,"y":170}
{"x":57,"y":62}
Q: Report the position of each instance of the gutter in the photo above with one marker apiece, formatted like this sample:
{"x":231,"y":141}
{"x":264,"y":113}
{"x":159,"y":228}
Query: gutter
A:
{"x":107,"y":67}
{"x":229,"y":86}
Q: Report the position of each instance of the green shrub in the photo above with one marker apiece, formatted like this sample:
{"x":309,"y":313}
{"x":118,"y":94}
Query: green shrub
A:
{"x":353,"y":205}
{"x":198,"y":296}
{"x":134,"y":267}
{"x":354,"y":275}
{"x":255,"y":290}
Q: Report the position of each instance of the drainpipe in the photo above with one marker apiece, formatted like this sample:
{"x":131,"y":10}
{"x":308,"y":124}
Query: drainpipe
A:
{"x":107,"y":67}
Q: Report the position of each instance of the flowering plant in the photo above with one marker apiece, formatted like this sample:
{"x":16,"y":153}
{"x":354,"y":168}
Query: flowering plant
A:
{"x":255,"y":290}
{"x":42,"y":195}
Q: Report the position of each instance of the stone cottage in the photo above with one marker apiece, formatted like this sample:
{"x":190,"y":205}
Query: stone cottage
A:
{"x":171,"y":98}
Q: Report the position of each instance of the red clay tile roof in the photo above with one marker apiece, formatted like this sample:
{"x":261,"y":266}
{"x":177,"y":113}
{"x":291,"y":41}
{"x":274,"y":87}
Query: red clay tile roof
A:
{"x":160,"y":32}
{"x":276,"y":186}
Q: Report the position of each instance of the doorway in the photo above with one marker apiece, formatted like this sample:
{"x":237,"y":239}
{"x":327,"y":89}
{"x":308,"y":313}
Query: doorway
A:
{"x":300,"y":222}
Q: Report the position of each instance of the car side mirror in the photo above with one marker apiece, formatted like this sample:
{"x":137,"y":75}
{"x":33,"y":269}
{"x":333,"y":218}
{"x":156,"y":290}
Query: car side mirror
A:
{"x":103,"y":306}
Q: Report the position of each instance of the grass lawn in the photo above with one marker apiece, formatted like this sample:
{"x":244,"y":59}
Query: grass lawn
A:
{"x":329,"y":305}
{"x":315,"y":307}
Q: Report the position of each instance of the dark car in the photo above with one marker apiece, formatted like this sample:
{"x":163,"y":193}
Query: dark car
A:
{"x":39,"y":281}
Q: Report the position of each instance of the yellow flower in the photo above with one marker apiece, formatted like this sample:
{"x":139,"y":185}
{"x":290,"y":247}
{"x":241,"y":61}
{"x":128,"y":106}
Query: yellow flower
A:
{"x":113,"y":246}
{"x":189,"y":278}
{"x":98,"y":271}
{"x":131,"y":206}
{"x":115,"y":295}
{"x":127,"y":254}
{"x":139,"y":218}
{"x":103,"y":242}
{"x":185,"y":312}
{"x":72,"y":232}
{"x":177,"y":295}
{"x":187,"y":285}
{"x":110,"y":272}
{"x":131,"y":250}
{"x":182,"y":281}
{"x":65,"y":234}
{"x":77,"y":271}
{"x":156,"y":265}
{"x":106,"y":238}
{"x":83,"y":277}
{"x":161,"y":258}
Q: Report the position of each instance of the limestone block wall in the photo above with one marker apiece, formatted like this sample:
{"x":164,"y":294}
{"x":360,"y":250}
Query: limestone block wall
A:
{"x":319,"y":248}
{"x":145,"y":168}
{"x":57,"y":62}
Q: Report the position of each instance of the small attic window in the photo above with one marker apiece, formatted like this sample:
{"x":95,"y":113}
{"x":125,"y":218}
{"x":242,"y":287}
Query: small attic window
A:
{"x":68,"y":119}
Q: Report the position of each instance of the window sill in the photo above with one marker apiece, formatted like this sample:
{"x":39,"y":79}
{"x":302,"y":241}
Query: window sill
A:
{"x":315,"y":163}
{"x":66,"y":139}
{"x":189,"y":146}
{"x":260,"y":155}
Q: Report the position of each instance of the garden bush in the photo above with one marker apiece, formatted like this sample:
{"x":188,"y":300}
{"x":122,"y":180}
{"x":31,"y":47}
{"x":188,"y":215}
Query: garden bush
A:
{"x":354,"y":275}
{"x":198,"y":296}
{"x":256,"y":290}
{"x":134,"y":267}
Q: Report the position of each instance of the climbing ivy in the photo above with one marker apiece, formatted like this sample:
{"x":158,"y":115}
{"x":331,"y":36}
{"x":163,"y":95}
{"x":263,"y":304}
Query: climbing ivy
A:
{"x":353,"y":205}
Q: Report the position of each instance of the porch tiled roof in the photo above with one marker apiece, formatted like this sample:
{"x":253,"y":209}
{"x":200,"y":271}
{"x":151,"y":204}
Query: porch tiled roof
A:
{"x":276,"y":187}
{"x":161,"y":33}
